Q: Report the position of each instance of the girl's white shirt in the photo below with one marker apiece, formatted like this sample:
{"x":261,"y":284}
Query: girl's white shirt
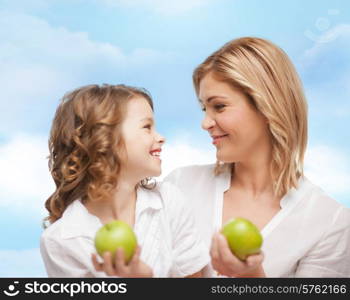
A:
{"x":164,"y":226}
{"x":308,"y":237}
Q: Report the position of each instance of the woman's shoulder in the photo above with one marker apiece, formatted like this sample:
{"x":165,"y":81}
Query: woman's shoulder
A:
{"x":168,"y":193}
{"x":190,"y":173}
{"x":171,"y":198}
{"x":322,"y":204}
{"x":317,"y":193}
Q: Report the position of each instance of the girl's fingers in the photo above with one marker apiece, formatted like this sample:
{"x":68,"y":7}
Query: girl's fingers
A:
{"x":107,"y":264}
{"x":97,"y":265}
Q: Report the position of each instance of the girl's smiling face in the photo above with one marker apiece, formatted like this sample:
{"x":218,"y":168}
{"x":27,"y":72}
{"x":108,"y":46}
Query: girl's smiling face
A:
{"x":142,"y":142}
{"x":237,"y":128}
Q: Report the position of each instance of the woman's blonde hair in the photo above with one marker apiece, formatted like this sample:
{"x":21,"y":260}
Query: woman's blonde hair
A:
{"x":85,"y":142}
{"x":265,"y":74}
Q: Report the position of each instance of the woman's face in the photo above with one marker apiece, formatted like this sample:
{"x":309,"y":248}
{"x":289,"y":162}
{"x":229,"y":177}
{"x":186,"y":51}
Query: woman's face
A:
{"x":142,"y":142}
{"x":238,"y":130}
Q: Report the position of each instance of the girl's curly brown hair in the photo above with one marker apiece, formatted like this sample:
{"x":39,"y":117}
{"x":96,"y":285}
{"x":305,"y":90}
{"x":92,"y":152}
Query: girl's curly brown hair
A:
{"x":84,"y":143}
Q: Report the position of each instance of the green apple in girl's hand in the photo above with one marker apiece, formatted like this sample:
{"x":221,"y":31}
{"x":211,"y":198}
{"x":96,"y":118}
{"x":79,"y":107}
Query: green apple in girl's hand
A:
{"x":243,"y":237}
{"x":114,"y":235}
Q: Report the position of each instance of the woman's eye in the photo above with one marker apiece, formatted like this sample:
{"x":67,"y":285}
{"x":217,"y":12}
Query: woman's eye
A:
{"x":147,"y":126}
{"x":219,"y":106}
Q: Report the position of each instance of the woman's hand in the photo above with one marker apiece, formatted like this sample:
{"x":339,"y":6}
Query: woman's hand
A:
{"x":135,"y":268}
{"x":225,"y":263}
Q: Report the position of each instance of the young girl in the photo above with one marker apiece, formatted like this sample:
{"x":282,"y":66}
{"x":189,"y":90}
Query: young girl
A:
{"x":103,"y":150}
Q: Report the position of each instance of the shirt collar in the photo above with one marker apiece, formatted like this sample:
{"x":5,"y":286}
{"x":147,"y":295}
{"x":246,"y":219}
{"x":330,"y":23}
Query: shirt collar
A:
{"x":77,"y":221}
{"x":147,"y":199}
{"x":224,"y":178}
{"x":224,"y":181}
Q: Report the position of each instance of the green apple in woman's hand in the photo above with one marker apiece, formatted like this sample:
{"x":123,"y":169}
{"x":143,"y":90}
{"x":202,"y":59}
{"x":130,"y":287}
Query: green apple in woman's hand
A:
{"x":243,"y":237}
{"x":114,"y":235}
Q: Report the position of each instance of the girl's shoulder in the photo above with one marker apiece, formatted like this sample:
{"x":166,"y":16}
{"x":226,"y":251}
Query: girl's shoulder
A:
{"x":74,"y":222}
{"x":53,"y":230}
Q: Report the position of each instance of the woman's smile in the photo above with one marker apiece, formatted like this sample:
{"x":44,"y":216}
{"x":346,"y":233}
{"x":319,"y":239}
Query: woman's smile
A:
{"x":218,"y":138}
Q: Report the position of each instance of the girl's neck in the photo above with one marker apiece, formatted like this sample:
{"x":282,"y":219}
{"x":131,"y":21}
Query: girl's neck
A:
{"x":121,"y":206}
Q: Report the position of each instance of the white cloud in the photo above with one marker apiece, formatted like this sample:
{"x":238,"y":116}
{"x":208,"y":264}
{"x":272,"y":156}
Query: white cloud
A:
{"x":28,"y":5}
{"x":40,"y":62}
{"x":328,"y":39}
{"x":29,"y":39}
{"x":331,"y":55}
{"x":21,"y":263}
{"x":167,"y":8}
{"x":181,"y":153}
{"x":25,"y":181}
{"x":326,"y":70}
{"x":329,"y":168}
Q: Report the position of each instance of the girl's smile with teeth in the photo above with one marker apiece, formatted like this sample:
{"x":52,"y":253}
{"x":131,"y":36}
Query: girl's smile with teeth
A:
{"x":156,"y":153}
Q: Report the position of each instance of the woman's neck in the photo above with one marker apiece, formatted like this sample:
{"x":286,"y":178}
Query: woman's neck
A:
{"x":254,"y":178}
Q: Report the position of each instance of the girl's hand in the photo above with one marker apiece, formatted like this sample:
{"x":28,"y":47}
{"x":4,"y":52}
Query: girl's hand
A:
{"x":135,"y":268}
{"x":226,"y":263}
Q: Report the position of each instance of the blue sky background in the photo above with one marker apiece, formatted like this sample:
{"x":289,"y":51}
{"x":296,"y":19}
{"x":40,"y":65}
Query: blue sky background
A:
{"x":48,"y":47}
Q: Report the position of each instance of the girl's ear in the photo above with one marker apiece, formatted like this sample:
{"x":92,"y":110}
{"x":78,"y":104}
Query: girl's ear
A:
{"x":120,"y":149}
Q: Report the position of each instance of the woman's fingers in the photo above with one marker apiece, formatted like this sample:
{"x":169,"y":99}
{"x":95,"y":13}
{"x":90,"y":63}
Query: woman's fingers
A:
{"x":226,"y":263}
{"x":214,"y":252}
{"x":225,"y":253}
{"x":107,"y":264}
{"x":215,"y":256}
{"x":135,"y":258}
{"x":255,"y":259}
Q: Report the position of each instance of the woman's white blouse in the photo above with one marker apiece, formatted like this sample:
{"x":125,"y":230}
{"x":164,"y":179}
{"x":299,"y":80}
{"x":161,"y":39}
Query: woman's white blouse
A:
{"x":308,"y":237}
{"x":165,"y":229}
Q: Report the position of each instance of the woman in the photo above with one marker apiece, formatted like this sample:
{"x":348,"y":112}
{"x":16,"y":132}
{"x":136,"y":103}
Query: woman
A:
{"x":256,"y":113}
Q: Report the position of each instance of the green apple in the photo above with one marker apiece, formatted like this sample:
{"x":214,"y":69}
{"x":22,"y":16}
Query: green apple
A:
{"x":243,"y":237}
{"x":113,"y":235}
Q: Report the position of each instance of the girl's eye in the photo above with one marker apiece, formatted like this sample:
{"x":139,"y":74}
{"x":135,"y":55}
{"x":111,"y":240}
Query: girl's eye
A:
{"x":148,"y":126}
{"x":203,"y":108}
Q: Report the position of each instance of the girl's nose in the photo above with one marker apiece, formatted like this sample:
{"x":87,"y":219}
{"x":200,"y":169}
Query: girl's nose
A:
{"x":160,"y":139}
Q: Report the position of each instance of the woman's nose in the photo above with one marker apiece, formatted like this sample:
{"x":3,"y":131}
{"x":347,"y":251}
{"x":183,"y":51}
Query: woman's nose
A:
{"x":207,"y":122}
